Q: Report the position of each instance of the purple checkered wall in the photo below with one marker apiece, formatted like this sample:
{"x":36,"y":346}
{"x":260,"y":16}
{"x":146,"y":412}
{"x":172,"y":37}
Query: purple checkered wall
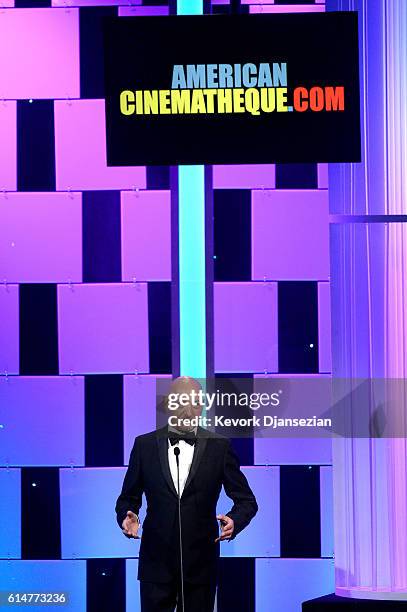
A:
{"x":107,"y":317}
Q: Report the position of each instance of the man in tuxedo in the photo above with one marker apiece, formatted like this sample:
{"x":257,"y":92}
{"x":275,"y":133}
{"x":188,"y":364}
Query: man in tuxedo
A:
{"x":206,"y":463}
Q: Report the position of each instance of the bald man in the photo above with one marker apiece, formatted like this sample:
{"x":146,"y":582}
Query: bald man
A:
{"x":206,"y":463}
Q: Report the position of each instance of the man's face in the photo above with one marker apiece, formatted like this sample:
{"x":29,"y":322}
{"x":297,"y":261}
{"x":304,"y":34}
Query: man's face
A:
{"x":184,"y":401}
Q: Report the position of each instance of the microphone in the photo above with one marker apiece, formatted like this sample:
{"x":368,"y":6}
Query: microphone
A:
{"x":177,"y":453}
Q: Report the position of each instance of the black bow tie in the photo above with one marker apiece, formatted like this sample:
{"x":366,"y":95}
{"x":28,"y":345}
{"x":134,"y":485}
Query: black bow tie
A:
{"x":188,"y":436}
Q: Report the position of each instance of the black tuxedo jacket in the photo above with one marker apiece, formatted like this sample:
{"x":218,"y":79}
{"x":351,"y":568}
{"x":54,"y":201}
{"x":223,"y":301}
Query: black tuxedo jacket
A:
{"x":214,"y":464}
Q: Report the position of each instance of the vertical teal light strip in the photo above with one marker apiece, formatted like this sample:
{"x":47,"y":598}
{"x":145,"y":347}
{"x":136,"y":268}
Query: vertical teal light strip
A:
{"x":191,"y":237}
{"x":189,"y":7}
{"x":192,"y":300}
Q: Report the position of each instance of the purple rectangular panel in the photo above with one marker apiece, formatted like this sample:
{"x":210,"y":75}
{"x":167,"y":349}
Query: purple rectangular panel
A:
{"x":40,"y":576}
{"x":283,"y":584}
{"x":43,"y":420}
{"x":260,"y":176}
{"x":6,"y":4}
{"x":287,"y":8}
{"x":143,"y":11}
{"x":290,"y":235}
{"x":297,"y":451}
{"x":10,"y":513}
{"x":262,"y":537}
{"x":327,"y":513}
{"x":103,"y":328}
{"x":9,"y":329}
{"x":146,"y":235}
{"x":85,"y":491}
{"x":80,"y":150}
{"x":324,"y":327}
{"x":39,"y":53}
{"x":245,"y":321}
{"x":322,"y":176}
{"x":41,"y":237}
{"x":8,"y":148}
{"x":70,"y":3}
{"x":132,"y":586}
{"x":139,"y":413}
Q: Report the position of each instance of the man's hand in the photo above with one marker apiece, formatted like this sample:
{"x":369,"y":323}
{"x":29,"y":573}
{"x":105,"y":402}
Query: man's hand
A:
{"x":130,"y":525}
{"x":227,"y":527}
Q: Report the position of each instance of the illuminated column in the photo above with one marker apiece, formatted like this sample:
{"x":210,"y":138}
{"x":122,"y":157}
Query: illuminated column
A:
{"x":192,"y":249}
{"x":192,"y":275}
{"x":368,"y":205}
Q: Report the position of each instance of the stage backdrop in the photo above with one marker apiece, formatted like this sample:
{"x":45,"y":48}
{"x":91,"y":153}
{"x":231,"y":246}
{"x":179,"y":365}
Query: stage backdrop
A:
{"x":85,"y":326}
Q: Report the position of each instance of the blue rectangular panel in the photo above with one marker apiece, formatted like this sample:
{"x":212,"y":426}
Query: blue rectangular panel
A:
{"x":41,"y":237}
{"x":292,"y":451}
{"x":139,"y":415}
{"x":327,"y":512}
{"x":43,"y":420}
{"x":283,"y":584}
{"x":103,"y":328}
{"x":47,"y":577}
{"x":9,"y":327}
{"x":300,"y":391}
{"x":87,"y":493}
{"x":243,"y":342}
{"x":10,"y":513}
{"x":262,"y":537}
{"x":132,"y":586}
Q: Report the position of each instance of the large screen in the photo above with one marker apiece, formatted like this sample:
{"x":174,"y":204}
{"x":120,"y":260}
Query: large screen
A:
{"x":219,"y":89}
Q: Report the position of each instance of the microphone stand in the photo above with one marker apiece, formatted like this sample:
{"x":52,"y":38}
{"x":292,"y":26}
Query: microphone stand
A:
{"x":176,"y":453}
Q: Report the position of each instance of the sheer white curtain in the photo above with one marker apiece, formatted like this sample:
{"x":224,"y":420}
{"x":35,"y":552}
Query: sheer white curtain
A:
{"x":369,"y":310}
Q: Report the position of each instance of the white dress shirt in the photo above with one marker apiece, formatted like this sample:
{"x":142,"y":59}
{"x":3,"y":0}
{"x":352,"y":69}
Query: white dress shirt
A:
{"x":185,"y":459}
